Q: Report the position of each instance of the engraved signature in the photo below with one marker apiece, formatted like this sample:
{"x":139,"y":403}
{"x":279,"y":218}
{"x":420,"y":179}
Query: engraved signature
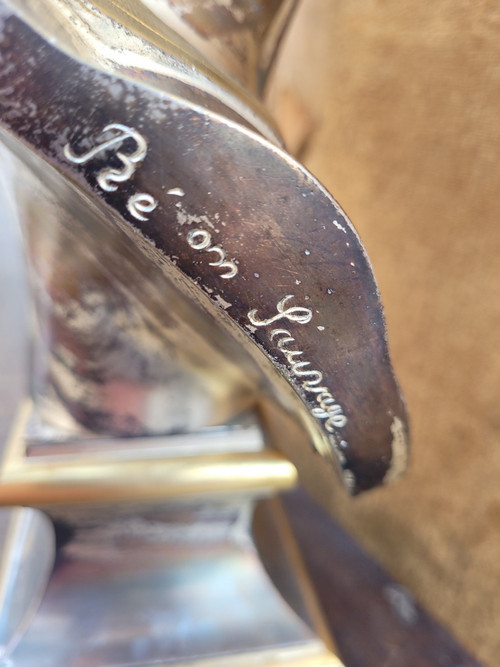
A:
{"x":328,"y":408}
{"x":109,"y":177}
{"x":200,"y":239}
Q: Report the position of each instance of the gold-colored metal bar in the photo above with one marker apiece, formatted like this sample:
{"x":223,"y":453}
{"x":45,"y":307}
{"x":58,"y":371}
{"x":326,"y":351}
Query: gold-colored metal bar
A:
{"x":118,"y":475}
{"x":311,"y":656}
{"x":86,"y":480}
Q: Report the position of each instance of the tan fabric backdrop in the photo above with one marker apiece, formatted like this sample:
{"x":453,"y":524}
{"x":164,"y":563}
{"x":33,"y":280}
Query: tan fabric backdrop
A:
{"x":404,"y":100}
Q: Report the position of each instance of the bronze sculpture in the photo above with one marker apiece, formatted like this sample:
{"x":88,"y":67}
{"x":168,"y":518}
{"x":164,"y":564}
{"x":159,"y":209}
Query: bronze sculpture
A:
{"x":185,"y":269}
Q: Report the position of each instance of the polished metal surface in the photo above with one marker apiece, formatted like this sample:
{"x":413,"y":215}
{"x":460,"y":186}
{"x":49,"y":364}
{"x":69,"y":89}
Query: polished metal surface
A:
{"x":27,"y":552}
{"x":240,"y":38}
{"x":114,"y":347}
{"x":116,"y":350}
{"x":133,"y":42}
{"x":179,"y":587}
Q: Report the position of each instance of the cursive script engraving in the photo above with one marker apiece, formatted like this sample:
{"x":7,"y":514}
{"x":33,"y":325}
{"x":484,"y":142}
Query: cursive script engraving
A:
{"x":297,"y":314}
{"x":311,"y":380}
{"x":200,"y":239}
{"x":109,"y":176}
{"x":141,"y":203}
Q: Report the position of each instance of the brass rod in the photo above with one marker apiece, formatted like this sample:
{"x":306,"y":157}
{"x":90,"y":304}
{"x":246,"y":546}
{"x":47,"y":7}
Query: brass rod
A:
{"x":88,"y":480}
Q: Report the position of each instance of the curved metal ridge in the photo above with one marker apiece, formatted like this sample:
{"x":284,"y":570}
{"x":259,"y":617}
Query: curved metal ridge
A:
{"x":129,"y":40}
{"x":241,"y":37}
{"x":240,"y":228}
{"x":27,"y":549}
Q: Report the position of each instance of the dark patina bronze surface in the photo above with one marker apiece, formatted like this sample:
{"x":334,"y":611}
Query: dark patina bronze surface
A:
{"x":294,"y":264}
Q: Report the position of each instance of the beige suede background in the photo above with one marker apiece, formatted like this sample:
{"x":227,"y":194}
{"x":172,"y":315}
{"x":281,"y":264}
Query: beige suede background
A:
{"x":404,"y":98}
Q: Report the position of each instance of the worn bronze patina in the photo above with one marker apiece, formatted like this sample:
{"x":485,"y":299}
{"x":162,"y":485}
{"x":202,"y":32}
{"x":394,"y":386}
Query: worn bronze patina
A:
{"x":245,"y":238}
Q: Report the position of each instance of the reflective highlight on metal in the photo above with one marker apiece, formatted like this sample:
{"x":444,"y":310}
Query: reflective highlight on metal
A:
{"x":216,"y":462}
{"x":27,"y":552}
{"x":131,"y":303}
{"x":178,"y":586}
